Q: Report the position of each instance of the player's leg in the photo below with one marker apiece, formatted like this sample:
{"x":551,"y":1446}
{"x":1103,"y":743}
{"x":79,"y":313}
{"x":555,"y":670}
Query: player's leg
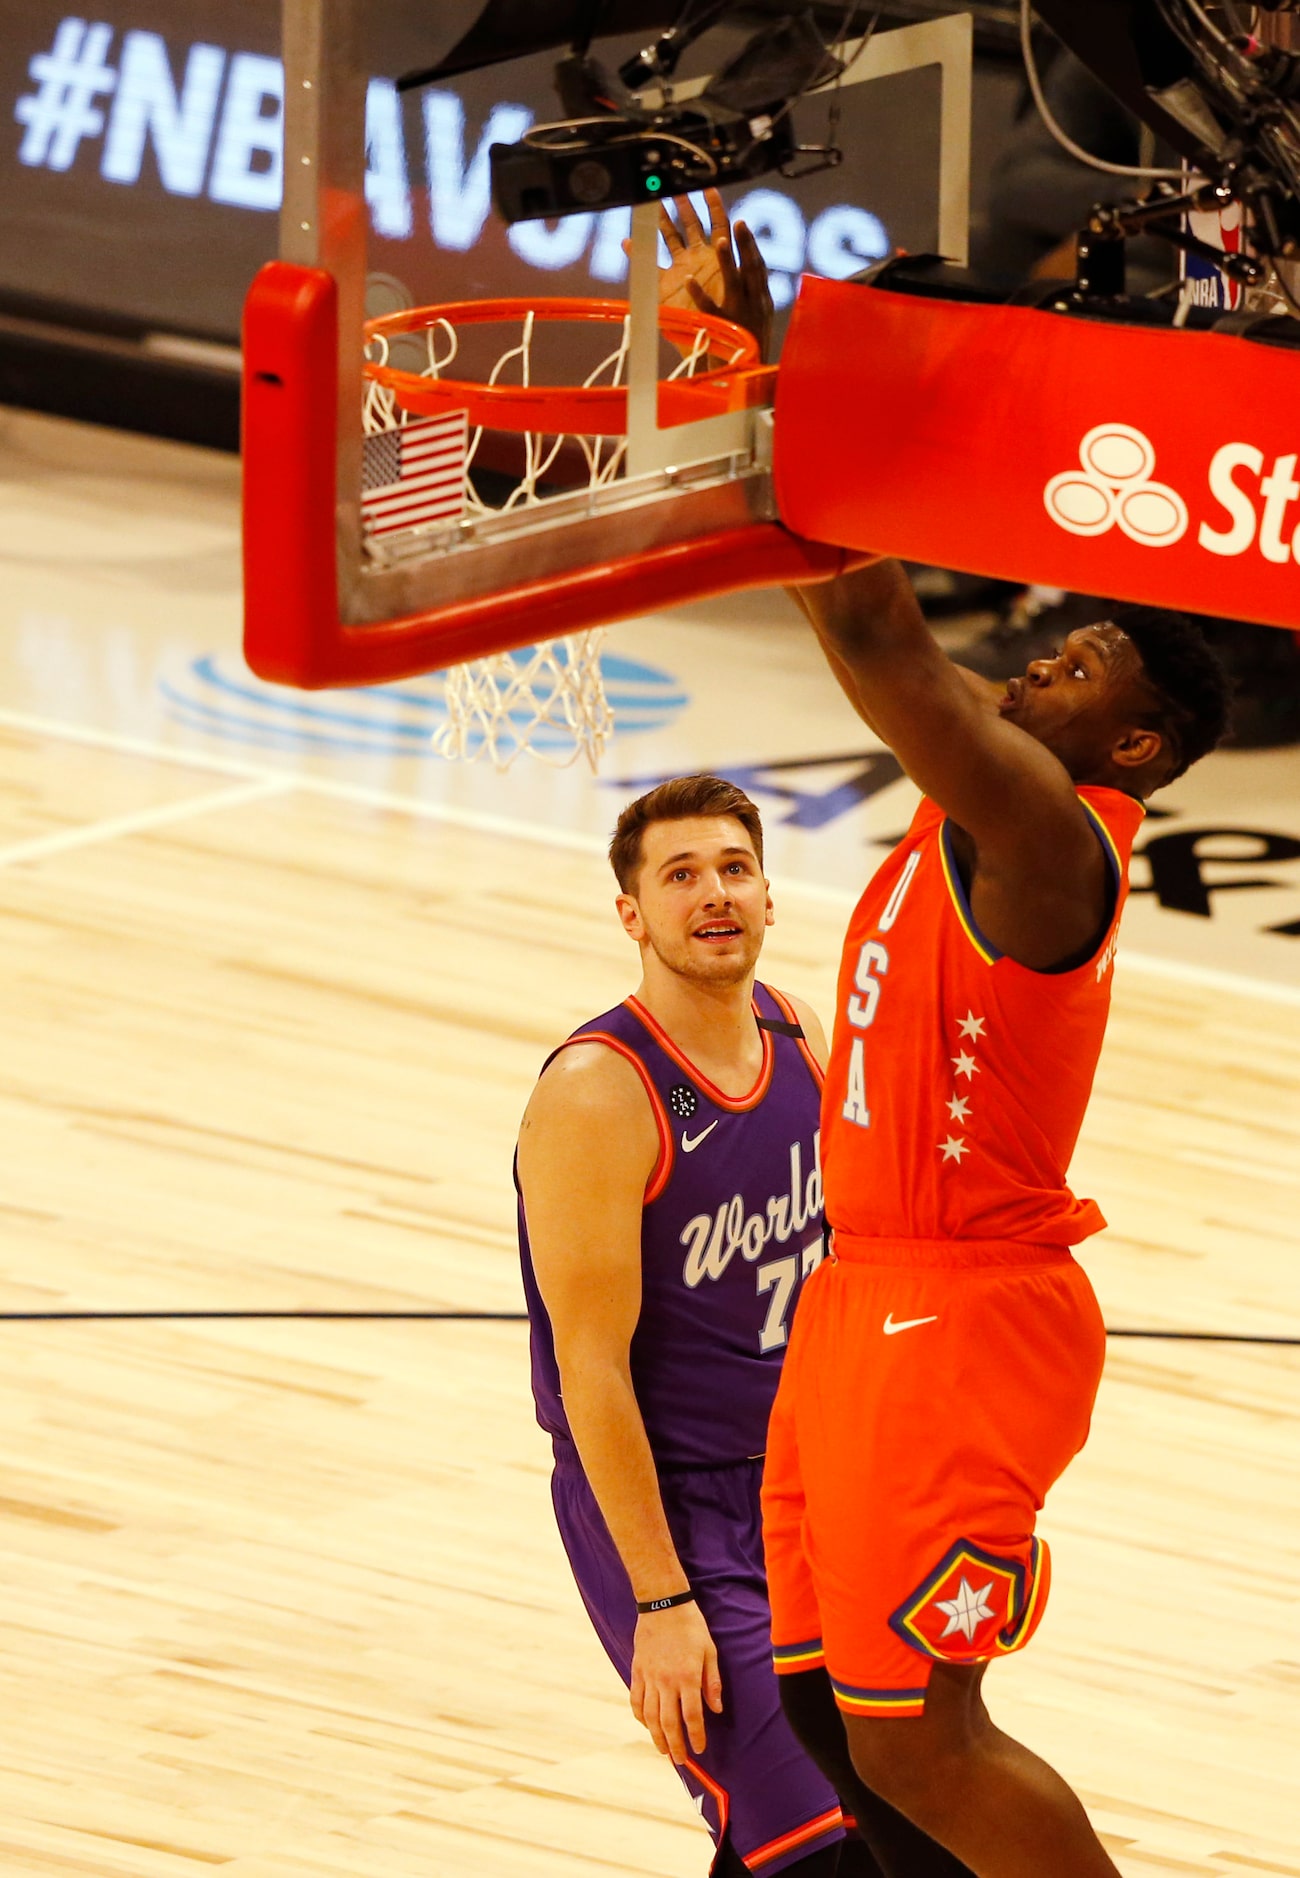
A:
{"x":983,"y":1795}
{"x":761,"y":1797}
{"x":781,"y":1814}
{"x":897,"y":1848}
{"x":806,"y":1697}
{"x":947,"y":1574}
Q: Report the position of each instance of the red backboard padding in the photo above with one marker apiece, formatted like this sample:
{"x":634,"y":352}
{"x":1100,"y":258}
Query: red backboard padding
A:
{"x":290,"y":345}
{"x":951,"y":434}
{"x":292,"y":631}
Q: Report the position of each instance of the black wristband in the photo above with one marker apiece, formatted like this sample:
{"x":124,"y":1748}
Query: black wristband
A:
{"x":664,"y":1604}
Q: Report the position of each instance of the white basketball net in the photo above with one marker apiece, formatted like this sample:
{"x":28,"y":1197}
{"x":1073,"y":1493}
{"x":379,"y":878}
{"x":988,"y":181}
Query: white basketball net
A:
{"x":549,"y":699}
{"x":504,"y":704}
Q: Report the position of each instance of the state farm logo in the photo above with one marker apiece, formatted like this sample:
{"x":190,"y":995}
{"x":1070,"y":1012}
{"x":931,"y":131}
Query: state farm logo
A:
{"x":1113,"y":487}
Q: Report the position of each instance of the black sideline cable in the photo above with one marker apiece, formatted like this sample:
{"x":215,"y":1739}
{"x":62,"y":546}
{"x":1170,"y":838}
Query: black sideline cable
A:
{"x":499,"y":1317}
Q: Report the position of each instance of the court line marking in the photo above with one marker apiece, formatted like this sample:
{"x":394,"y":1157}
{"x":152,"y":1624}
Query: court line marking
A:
{"x":1177,"y":971}
{"x":89,"y":834}
{"x":477,"y":821}
{"x":123,"y":745}
{"x":182,"y":1314}
{"x":1208,"y":977}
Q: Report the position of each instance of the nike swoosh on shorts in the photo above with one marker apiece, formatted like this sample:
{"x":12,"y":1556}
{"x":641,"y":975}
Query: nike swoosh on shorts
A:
{"x":892,"y":1329}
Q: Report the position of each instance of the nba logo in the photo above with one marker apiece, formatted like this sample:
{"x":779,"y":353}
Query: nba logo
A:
{"x":1218,"y":228}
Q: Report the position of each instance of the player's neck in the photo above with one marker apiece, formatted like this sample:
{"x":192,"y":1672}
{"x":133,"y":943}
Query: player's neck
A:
{"x":712,"y":1025}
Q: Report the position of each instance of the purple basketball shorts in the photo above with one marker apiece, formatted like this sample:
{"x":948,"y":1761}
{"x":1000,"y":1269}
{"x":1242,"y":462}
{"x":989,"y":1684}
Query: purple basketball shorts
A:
{"x":753,"y":1780}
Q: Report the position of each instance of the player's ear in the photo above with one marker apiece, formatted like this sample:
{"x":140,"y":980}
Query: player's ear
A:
{"x":629,"y":915}
{"x":770,"y":920}
{"x":1137,"y":747}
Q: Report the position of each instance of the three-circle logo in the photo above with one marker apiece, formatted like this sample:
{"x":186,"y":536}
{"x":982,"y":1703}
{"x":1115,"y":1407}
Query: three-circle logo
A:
{"x":1113,"y":486}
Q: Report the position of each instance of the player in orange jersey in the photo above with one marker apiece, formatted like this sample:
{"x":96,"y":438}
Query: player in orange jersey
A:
{"x":944,"y":1360}
{"x":943,"y":1366}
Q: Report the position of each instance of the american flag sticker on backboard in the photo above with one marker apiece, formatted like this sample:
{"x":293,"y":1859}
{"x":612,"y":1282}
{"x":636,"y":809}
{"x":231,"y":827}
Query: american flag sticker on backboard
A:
{"x":414,"y":474}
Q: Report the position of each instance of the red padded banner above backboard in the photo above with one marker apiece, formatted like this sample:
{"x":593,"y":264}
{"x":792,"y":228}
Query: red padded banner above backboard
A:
{"x":1137,"y":464}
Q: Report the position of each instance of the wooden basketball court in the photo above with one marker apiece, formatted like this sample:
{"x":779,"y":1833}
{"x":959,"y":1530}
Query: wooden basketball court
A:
{"x":284,"y":1598}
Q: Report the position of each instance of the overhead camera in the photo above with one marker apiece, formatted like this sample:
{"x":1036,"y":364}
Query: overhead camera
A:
{"x":612,"y":150}
{"x":568,"y":168}
{"x":628,"y":139}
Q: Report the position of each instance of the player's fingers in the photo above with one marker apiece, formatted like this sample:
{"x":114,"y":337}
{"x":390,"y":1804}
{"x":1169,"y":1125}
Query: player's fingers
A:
{"x":752,"y":264}
{"x":731,"y":275}
{"x":699,"y":298}
{"x":713,"y":1681}
{"x":652,"y":1719}
{"x":669,"y":230}
{"x":719,"y":226}
{"x":754,"y":289}
{"x":692,"y":1710}
{"x":670,"y":1717}
{"x":692,"y":226}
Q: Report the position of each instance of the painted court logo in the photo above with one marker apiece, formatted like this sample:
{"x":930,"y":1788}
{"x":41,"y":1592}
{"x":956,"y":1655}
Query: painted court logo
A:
{"x":1113,"y":486}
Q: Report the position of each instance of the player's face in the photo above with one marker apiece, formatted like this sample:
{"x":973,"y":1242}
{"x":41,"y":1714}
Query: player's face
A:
{"x":700,"y":903}
{"x":1081,"y":702}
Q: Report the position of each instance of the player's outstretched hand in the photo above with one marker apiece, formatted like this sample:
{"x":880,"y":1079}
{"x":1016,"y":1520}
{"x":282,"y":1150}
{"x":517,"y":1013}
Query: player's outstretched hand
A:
{"x":703,"y":270}
{"x":674,"y":1674}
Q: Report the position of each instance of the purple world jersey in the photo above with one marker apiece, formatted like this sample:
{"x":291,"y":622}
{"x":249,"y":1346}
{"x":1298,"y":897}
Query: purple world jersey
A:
{"x":731,"y":1227}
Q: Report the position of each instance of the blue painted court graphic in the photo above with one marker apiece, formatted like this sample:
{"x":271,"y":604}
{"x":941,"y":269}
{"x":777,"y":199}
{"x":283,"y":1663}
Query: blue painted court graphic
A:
{"x":218,"y":695}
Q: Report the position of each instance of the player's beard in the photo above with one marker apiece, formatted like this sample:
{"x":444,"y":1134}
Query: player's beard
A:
{"x":694,"y":963}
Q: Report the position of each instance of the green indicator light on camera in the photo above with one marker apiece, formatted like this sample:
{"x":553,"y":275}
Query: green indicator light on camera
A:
{"x":654,"y":184}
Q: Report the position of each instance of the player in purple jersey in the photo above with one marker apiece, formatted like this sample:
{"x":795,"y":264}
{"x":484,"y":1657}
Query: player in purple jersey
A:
{"x":670,"y":1211}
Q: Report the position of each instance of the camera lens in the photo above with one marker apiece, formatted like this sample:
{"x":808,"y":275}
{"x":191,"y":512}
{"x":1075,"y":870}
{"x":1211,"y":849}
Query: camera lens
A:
{"x":589,"y":181}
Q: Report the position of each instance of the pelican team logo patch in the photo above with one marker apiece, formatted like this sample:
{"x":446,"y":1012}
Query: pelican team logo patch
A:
{"x":974,"y":1605}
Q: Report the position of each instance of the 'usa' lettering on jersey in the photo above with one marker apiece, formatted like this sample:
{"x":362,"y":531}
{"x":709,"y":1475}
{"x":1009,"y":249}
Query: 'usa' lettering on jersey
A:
{"x":958,"y":1079}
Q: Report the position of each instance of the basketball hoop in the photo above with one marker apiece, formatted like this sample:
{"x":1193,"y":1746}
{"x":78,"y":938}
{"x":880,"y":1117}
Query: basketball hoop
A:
{"x":719,"y":368}
{"x":561,"y":439}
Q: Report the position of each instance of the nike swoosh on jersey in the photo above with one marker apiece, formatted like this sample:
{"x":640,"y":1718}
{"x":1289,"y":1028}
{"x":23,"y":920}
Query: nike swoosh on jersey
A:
{"x":691,"y":1142}
{"x":909,"y":1323}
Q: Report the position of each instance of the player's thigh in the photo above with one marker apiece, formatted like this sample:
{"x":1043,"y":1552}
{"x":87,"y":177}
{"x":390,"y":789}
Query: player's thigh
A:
{"x":778,"y":1803}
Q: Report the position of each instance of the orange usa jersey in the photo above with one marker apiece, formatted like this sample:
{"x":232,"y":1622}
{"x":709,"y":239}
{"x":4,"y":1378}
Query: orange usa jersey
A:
{"x":958,"y":1079}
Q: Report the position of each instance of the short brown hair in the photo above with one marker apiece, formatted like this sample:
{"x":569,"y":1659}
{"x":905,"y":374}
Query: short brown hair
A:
{"x":674,"y":801}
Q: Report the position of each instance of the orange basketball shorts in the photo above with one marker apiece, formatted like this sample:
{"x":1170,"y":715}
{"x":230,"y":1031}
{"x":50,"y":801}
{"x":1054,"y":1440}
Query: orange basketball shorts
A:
{"x":931,"y":1394}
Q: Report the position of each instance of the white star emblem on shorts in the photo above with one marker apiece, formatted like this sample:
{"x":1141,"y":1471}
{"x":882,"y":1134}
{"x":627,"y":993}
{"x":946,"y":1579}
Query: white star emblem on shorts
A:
{"x":964,"y":1065}
{"x":953,"y":1148}
{"x":967,"y":1611}
{"x":959,"y":1108}
{"x":970,"y":1025}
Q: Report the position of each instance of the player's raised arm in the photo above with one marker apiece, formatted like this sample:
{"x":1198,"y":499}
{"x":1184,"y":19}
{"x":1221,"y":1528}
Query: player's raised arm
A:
{"x":947,"y":733}
{"x":1035,"y":864}
{"x":587,"y":1149}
